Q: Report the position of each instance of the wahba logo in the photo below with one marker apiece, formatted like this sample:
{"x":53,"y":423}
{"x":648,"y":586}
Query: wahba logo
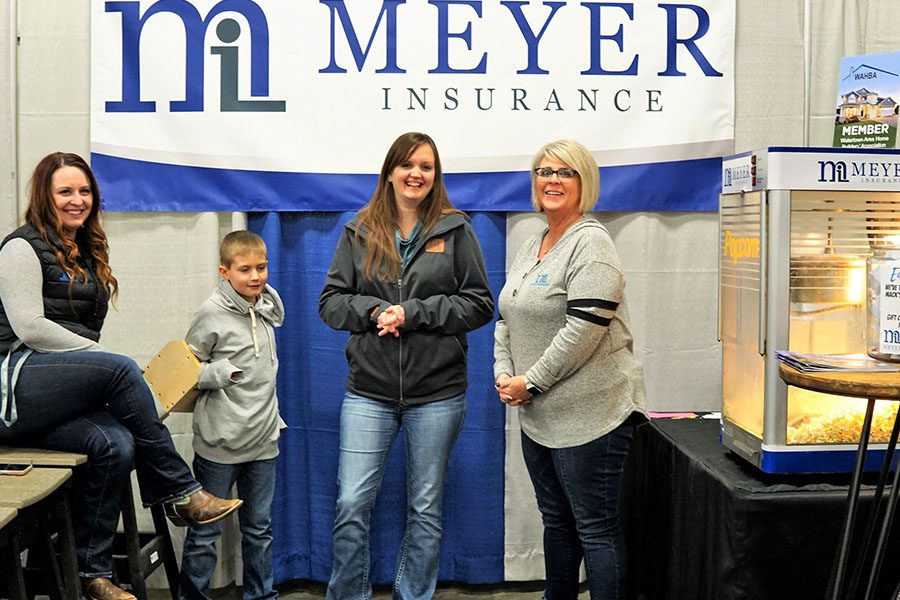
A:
{"x":195,"y":28}
{"x":865,"y":72}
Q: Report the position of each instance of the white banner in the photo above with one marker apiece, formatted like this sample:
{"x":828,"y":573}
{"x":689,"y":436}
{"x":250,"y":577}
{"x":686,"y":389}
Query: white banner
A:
{"x":325,"y":86}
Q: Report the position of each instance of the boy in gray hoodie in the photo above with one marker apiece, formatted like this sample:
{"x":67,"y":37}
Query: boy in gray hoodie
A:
{"x":236,"y":420}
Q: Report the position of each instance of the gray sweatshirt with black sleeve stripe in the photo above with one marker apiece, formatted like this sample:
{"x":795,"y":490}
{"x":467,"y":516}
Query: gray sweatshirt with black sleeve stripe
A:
{"x":564,"y":325}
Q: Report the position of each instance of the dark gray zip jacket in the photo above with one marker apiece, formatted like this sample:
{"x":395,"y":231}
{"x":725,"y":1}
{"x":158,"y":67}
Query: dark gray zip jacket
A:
{"x":444,"y":293}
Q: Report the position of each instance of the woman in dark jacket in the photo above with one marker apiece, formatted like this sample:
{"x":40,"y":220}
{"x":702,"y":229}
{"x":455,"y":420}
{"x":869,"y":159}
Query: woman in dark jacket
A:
{"x":61,"y":391}
{"x":408,"y":282}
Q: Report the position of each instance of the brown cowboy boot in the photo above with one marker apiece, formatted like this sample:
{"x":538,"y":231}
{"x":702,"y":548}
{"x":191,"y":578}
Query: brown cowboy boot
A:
{"x":101,"y":588}
{"x":202,"y":508}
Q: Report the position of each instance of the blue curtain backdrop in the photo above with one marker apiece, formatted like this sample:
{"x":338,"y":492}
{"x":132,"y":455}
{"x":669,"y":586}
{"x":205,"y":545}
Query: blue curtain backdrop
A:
{"x":311,"y":382}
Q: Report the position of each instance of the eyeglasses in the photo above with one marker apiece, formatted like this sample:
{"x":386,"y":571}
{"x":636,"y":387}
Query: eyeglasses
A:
{"x":547,"y":173}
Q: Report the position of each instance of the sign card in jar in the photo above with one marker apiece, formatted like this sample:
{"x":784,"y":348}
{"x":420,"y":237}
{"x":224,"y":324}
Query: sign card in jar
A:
{"x":883,"y":303}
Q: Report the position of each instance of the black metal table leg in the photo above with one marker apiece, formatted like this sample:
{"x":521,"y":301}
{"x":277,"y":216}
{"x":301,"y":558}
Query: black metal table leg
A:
{"x":867,"y":541}
{"x":881,"y":546}
{"x":843,"y":555}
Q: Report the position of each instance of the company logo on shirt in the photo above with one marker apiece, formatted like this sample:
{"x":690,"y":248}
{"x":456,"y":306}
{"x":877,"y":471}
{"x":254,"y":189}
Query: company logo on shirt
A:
{"x":542,"y":280}
{"x":435,"y":245}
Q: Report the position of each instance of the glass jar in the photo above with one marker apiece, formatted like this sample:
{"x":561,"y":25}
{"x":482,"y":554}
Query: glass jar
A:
{"x":883,"y":303}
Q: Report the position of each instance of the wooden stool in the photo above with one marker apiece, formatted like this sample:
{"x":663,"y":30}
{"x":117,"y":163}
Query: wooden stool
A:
{"x":145,"y":552}
{"x":39,"y":496}
{"x":136,"y":555}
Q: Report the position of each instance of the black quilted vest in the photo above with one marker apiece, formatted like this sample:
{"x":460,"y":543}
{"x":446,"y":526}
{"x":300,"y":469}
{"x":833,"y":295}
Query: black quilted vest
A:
{"x":80,"y":311}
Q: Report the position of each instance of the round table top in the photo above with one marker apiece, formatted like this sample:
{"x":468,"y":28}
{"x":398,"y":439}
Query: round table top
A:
{"x":861,"y":384}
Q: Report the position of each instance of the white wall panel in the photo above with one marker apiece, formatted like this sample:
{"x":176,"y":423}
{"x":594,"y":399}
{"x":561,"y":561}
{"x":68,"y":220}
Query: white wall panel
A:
{"x":8,"y":205}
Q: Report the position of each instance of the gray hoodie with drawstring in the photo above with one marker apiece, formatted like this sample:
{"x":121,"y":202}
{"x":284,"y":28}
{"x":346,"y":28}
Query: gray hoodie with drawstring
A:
{"x":236,"y":419}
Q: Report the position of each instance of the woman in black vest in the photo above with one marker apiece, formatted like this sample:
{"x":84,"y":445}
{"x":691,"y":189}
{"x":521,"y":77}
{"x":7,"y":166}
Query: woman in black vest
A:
{"x":61,"y":391}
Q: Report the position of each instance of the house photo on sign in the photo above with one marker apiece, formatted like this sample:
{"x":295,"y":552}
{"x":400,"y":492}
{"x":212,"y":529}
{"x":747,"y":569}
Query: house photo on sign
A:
{"x":868,"y":93}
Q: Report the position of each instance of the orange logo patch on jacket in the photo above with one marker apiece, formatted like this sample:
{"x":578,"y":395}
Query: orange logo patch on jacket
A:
{"x":436,"y":245}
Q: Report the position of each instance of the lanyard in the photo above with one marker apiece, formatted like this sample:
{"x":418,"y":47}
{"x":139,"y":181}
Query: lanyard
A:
{"x":7,"y":387}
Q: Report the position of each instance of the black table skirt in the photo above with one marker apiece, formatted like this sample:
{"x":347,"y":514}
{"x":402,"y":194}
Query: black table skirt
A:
{"x":702,"y":523}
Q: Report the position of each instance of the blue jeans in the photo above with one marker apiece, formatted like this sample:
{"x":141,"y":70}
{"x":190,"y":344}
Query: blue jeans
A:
{"x":97,"y":403}
{"x":368,"y":429}
{"x":577,"y":491}
{"x":256,"y":487}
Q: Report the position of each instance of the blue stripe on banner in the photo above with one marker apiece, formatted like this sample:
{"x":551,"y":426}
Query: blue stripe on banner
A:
{"x":689,"y":185}
{"x":135,"y":185}
{"x":311,"y":383}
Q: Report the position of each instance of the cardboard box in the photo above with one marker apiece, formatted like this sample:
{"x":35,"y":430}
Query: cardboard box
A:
{"x":173,"y":375}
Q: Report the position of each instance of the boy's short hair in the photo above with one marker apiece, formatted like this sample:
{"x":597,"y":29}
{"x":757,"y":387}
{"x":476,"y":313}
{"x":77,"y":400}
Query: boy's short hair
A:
{"x":240,"y":242}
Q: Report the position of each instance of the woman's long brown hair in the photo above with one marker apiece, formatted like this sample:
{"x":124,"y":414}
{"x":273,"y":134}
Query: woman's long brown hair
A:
{"x":379,"y":217}
{"x":43,"y":216}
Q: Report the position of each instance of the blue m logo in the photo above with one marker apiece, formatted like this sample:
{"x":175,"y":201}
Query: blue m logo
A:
{"x":831,"y":171}
{"x":195,"y":26}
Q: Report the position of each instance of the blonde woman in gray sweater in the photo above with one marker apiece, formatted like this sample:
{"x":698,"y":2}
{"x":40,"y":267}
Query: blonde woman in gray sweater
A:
{"x":563,"y":357}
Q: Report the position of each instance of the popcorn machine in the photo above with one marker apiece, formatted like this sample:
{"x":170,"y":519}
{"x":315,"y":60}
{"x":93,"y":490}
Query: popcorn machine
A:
{"x":795,"y":228}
